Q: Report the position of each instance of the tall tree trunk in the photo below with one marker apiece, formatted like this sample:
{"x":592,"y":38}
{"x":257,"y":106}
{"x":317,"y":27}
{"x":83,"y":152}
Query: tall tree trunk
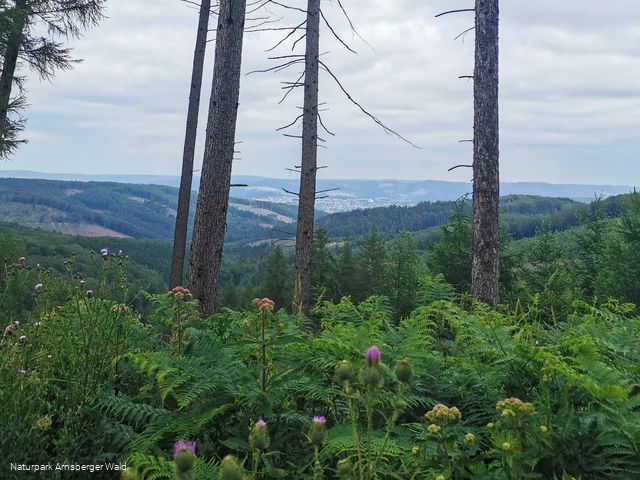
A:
{"x":18,"y":23}
{"x":184,"y":195}
{"x":213,"y":199}
{"x":486,"y":186}
{"x":307,"y":193}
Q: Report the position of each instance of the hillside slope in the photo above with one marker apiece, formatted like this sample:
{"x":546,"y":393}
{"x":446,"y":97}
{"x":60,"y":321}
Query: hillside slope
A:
{"x":109,"y":209}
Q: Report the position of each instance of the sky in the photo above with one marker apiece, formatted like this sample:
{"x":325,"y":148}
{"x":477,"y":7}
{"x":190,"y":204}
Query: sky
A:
{"x":569,"y":93}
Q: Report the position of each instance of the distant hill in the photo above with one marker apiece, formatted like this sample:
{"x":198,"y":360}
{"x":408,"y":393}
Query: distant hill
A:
{"x":110,"y":209}
{"x":352,"y":193}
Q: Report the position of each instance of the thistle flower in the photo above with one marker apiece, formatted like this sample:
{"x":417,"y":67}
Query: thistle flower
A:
{"x":104,"y":252}
{"x":8,"y":330}
{"x":372,"y":357}
{"x":89,"y":293}
{"x":316,"y":432}
{"x":184,"y":454}
{"x":259,"y":437}
{"x":23,"y":372}
{"x":230,"y":469}
{"x":37,"y":324}
{"x":23,"y":339}
{"x":39,"y":287}
{"x":21,"y":260}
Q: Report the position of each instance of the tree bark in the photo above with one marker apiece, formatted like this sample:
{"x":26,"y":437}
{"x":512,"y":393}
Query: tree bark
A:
{"x":309,"y":165}
{"x":213,"y":199}
{"x":486,"y":186}
{"x":11,"y":52}
{"x":184,"y":195}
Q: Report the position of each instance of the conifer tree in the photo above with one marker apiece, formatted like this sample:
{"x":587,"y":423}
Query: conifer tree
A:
{"x":373,"y":263}
{"x":277,"y":279}
{"x":323,"y":266}
{"x":404,"y":275}
{"x":347,"y":275}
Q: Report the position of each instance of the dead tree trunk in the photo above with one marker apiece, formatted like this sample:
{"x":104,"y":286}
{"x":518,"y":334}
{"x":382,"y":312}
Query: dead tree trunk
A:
{"x":486,"y":187}
{"x":18,"y":22}
{"x":213,"y":199}
{"x":309,"y":165}
{"x":184,"y":195}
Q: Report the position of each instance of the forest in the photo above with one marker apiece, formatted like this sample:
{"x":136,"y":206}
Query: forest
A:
{"x":486,"y":338}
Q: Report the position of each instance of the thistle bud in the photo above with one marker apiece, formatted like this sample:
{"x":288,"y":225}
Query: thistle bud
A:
{"x":230,"y":469}
{"x":343,"y":469}
{"x":184,"y":454}
{"x":403,"y":371}
{"x":344,"y":372}
{"x":259,"y":438}
{"x":371,"y":376}
{"x":316,"y":432}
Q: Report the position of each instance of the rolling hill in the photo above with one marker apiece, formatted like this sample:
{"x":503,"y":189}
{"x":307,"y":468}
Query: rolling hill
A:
{"x":110,"y":209}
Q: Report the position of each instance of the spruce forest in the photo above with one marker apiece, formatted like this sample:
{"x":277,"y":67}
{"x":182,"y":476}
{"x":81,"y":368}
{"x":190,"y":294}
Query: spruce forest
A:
{"x":208,"y":337}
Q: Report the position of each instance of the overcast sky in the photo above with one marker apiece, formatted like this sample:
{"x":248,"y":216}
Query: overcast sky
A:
{"x":569,"y":93}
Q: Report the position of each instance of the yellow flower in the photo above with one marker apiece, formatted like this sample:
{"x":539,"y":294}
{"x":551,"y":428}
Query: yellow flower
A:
{"x":508,"y":413}
{"x":489,"y":425}
{"x":433,"y":429}
{"x":543,"y":429}
{"x":415,"y":450}
{"x":469,"y":437}
{"x":506,"y":446}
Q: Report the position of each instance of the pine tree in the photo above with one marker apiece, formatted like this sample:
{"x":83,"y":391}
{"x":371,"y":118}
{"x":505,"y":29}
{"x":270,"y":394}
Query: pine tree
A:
{"x":277,"y":279}
{"x":404,"y":275}
{"x":347,"y":275}
{"x":323,"y":267}
{"x":373,"y":263}
{"x":591,"y":246}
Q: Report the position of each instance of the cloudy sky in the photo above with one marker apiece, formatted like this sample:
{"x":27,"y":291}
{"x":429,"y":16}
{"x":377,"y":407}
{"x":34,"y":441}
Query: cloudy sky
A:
{"x":569,"y":93}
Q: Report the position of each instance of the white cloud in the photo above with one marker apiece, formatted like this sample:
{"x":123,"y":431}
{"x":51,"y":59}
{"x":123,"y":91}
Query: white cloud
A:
{"x":570,"y":95}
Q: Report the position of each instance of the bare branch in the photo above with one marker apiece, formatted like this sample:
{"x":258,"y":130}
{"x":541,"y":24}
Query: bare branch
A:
{"x":465,"y":76}
{"x":287,"y":6}
{"x":375,"y":119}
{"x":291,"y":89}
{"x":325,"y":128}
{"x":296,"y":42}
{"x":335,"y":34}
{"x":238,"y":185}
{"x":456,"y":11}
{"x":459,"y":166}
{"x":285,"y":38}
{"x":328,"y":190}
{"x":461,"y":141}
{"x":353,"y":28}
{"x":464,"y":33}
{"x":278,"y":67}
{"x":292,"y":136}
{"x":290,"y":124}
{"x":292,"y":193}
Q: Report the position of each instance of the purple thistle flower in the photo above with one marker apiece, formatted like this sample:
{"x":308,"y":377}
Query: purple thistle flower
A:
{"x":104,"y":252}
{"x":372,"y":356}
{"x":318,"y":421}
{"x":23,"y":339}
{"x":23,"y":372}
{"x":8,"y":330}
{"x":188,"y":446}
{"x":37,"y":324}
{"x":261,"y":424}
{"x":39,"y":287}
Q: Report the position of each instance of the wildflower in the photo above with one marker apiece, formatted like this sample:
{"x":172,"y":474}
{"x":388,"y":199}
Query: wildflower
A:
{"x":39,"y":287}
{"x":21,"y":260}
{"x":443,"y":414}
{"x":403,"y":371}
{"x":259,"y":437}
{"x":433,"y":429}
{"x":89,"y":293}
{"x":516,"y":406}
{"x":508,"y":413}
{"x":37,"y":324}
{"x":372,"y":356}
{"x":119,"y":253}
{"x":316,"y":433}
{"x":245,"y":324}
{"x":23,"y":372}
{"x":23,"y":339}
{"x":489,"y":426}
{"x":230,"y":469}
{"x":415,"y":450}
{"x":266,"y":304}
{"x":184,"y":454}
{"x":506,"y":446}
{"x":17,"y":324}
{"x":104,"y":252}
{"x":344,"y":372}
{"x":469,"y":437}
{"x":8,"y":329}
{"x":49,"y":357}
{"x":43,"y":423}
{"x":543,"y":429}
